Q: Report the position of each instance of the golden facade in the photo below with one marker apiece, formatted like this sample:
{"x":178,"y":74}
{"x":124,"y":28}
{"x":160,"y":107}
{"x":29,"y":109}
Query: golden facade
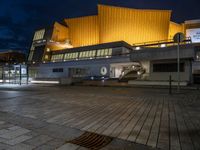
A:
{"x":83,"y":31}
{"x":60,"y":33}
{"x":175,"y":28}
{"x":132,"y":25}
{"x":116,"y":24}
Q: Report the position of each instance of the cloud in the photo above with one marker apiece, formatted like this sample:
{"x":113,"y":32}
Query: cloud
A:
{"x":6,"y":33}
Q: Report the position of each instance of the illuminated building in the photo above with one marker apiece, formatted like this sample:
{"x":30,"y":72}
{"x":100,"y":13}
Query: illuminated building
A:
{"x":105,"y":40}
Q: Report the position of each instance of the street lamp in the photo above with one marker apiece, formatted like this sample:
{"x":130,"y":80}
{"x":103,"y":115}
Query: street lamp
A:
{"x":178,"y":38}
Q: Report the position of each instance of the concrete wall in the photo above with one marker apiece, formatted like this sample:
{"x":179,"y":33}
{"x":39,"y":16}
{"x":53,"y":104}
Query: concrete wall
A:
{"x":146,"y":66}
{"x":164,"y":76}
{"x":186,"y":51}
{"x":196,"y":67}
{"x":93,"y":66}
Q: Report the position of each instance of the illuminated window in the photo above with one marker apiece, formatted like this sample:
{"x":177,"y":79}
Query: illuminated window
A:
{"x":46,"y":57}
{"x":76,"y":55}
{"x":48,"y":50}
{"x":83,"y":54}
{"x":110,"y":51}
{"x":58,"y":57}
{"x":98,"y":53}
{"x":104,"y":53}
{"x":71,"y":56}
{"x":39,"y":35}
{"x":94,"y":53}
{"x":87,"y":54}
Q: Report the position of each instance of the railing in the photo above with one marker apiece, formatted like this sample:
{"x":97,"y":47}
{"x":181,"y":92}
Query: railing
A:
{"x":162,"y":43}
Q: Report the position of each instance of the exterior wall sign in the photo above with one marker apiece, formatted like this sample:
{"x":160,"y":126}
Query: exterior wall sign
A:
{"x":194,"y":34}
{"x":103,"y":70}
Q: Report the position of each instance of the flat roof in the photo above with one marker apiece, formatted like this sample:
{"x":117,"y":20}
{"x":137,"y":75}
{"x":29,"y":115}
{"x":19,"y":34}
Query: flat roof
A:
{"x":192,"y":21}
{"x":187,"y":51}
{"x":95,"y":47}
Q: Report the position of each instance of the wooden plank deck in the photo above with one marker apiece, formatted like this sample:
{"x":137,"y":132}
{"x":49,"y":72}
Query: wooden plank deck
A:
{"x":156,"y":120}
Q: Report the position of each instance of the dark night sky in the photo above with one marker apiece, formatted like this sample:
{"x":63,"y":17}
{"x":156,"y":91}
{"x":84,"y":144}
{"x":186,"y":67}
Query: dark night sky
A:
{"x":19,"y":18}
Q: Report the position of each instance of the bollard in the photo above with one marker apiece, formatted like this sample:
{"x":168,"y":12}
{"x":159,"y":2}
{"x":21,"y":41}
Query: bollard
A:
{"x":170,"y":84}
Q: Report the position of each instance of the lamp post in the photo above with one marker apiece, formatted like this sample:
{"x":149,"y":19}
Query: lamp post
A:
{"x":20,"y":74}
{"x":178,"y":38}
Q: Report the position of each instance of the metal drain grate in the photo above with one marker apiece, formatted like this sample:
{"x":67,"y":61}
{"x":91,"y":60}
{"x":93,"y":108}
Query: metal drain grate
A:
{"x":91,"y":140}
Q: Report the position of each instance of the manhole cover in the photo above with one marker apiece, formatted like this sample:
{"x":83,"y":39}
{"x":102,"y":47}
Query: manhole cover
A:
{"x":91,"y":140}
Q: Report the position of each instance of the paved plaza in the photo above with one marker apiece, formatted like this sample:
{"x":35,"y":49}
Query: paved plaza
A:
{"x":51,"y":117}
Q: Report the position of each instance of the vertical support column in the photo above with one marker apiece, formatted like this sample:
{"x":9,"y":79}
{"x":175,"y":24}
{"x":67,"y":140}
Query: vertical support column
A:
{"x":170,"y":84}
{"x":27,"y":73}
{"x":9,"y":72}
{"x":178,"y":65}
{"x":20,"y":74}
{"x":2,"y":74}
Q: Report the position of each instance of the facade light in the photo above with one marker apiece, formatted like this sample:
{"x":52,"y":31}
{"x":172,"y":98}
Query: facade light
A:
{"x":50,"y":82}
{"x":138,"y":48}
{"x":163,"y":45}
{"x":48,"y":50}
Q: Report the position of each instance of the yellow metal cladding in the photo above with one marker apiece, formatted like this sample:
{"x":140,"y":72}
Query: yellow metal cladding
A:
{"x":132,"y":25}
{"x":83,"y":31}
{"x":116,"y":24}
{"x":60,"y":33}
{"x":175,"y":28}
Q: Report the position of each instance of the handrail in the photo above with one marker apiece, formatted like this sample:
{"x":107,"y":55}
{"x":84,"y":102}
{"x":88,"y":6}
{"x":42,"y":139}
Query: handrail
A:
{"x":152,"y":43}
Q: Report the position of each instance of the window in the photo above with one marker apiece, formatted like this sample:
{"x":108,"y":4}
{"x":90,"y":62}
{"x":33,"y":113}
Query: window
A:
{"x":46,"y":57}
{"x":98,"y":53}
{"x":39,"y":35}
{"x":109,"y":51}
{"x":87,"y":54}
{"x":48,"y":50}
{"x":104,"y":53}
{"x":57,"y":70}
{"x":77,"y":72}
{"x":93,"y":53}
{"x":71,"y":56}
{"x":57,"y":57}
{"x":167,"y":67}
